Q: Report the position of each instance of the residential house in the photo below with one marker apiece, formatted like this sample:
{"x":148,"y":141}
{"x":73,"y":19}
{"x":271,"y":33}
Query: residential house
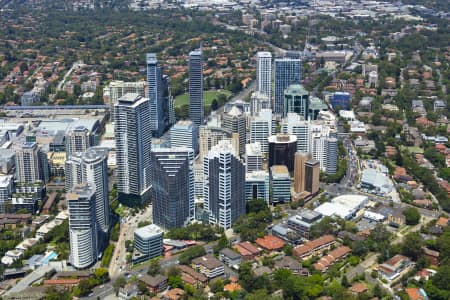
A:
{"x":393,"y":267}
{"x":229,"y":257}
{"x":128,"y":291}
{"x":209,"y":266}
{"x":270,"y":243}
{"x":247,"y":250}
{"x":287,"y":262}
{"x":312,"y":247}
{"x":416,"y":294}
{"x":155,"y":284}
{"x":359,"y":288}
{"x":431,"y":255}
{"x":173,"y":294}
{"x":192,"y":277}
{"x":333,"y":256}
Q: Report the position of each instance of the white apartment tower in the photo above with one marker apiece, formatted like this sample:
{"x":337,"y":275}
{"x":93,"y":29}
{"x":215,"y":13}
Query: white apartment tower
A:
{"x":224,"y":185}
{"x":264,"y":73}
{"x":261,"y":129}
{"x":82,"y":226}
{"x":133,"y":148}
{"x":92,"y":166}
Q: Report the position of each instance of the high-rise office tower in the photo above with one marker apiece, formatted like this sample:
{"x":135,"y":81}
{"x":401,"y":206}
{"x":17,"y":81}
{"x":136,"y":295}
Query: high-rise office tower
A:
{"x":253,"y":157}
{"x":224,"y":193}
{"x":78,"y":139}
{"x":257,"y":186}
{"x":287,"y":72}
{"x":6,"y":189}
{"x":312,"y":175}
{"x":296,"y":125}
{"x":261,"y":129}
{"x":173,"y":187}
{"x":234,"y":121}
{"x":158,"y":95}
{"x":296,"y":100}
{"x":92,"y":166}
{"x":31,"y":163}
{"x":196,"y":87}
{"x":259,"y":101}
{"x":82,"y":226}
{"x":184,"y":134}
{"x":282,"y":148}
{"x":210,"y":136}
{"x":119,"y":88}
{"x":299,"y":171}
{"x":133,"y":148}
{"x":318,"y":143}
{"x":264,"y":73}
{"x":332,"y":155}
{"x":281,"y":184}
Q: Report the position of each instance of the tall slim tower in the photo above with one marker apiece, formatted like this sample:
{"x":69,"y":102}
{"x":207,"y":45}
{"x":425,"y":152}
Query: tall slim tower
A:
{"x":196,"y":87}
{"x":234,"y":121}
{"x":158,"y":95}
{"x":82,"y":226}
{"x":264,"y":73}
{"x":78,"y":139}
{"x":332,"y":155}
{"x":173,"y":187}
{"x":31,"y":163}
{"x":92,"y":166}
{"x":299,"y":170}
{"x":261,"y":129}
{"x":224,"y":185}
{"x":133,"y":148}
{"x":287,"y":72}
{"x":312,"y":175}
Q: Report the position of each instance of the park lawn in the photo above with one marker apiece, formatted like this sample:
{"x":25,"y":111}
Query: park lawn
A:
{"x":208,"y":97}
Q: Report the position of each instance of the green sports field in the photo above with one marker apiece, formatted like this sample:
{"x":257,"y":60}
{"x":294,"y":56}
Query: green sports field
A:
{"x":208,"y":97}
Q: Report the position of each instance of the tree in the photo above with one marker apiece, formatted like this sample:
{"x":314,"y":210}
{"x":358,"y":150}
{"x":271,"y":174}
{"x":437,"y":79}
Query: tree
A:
{"x":412,"y":216}
{"x":120,"y":282}
{"x":222,"y":243}
{"x":216,"y":285}
{"x":214,"y":105}
{"x":191,"y":253}
{"x":102,"y":274}
{"x":175,"y":281}
{"x":412,"y":245}
{"x":154,"y":267}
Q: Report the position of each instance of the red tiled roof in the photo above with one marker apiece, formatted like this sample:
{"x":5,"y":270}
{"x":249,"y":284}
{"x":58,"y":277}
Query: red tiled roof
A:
{"x":270,"y":242}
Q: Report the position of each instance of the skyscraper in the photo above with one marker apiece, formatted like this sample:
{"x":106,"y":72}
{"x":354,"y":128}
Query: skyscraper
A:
{"x":6,"y":189}
{"x":196,"y":87}
{"x":282,"y":148}
{"x":287,"y":72}
{"x":261,"y":129}
{"x":234,"y":121}
{"x":173,"y":187}
{"x":332,"y":155}
{"x":158,"y":95}
{"x":78,"y":139}
{"x":119,"y":88}
{"x":82,"y":226}
{"x":224,"y":190}
{"x":184,"y":134}
{"x":299,"y":171}
{"x":312,"y":175}
{"x":296,"y":100}
{"x":253,"y":157}
{"x":91,"y":166}
{"x":210,"y":136}
{"x":264,"y":73}
{"x":259,"y":101}
{"x":31,"y":163}
{"x":133,"y":148}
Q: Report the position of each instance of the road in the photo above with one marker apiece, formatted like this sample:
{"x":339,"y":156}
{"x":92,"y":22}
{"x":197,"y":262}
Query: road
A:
{"x":100,"y":292}
{"x":362,"y":266}
{"x":127,"y":228}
